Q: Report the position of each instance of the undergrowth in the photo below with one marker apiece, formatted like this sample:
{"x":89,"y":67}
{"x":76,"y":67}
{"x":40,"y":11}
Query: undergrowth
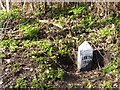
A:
{"x":55,"y":54}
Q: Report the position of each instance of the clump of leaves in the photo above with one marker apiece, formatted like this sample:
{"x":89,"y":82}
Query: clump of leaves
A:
{"x":40,"y":11}
{"x":21,"y":83}
{"x":3,"y":55}
{"x":46,"y":50}
{"x":90,"y":84}
{"x":107,"y":84}
{"x":64,"y":46}
{"x":53,"y":74}
{"x":78,"y":10}
{"x":110,"y":67}
{"x":31,"y":31}
{"x":36,"y":83}
{"x":10,"y":44}
{"x":43,"y":44}
{"x":16,"y":13}
{"x":3,"y":16}
{"x":17,"y":67}
{"x":88,"y":21}
{"x":105,"y":32}
{"x":40,"y":59}
{"x":64,"y":50}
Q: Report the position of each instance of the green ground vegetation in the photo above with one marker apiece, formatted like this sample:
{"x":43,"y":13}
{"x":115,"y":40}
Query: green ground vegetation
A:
{"x":48,"y":51}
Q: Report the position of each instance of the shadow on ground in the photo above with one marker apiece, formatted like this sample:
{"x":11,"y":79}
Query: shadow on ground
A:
{"x":98,"y":61}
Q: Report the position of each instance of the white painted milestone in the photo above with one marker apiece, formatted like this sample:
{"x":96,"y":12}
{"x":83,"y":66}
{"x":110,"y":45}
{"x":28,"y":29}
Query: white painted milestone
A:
{"x":85,"y":55}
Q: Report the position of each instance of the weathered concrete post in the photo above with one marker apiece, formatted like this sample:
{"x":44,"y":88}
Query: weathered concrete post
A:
{"x":85,"y":55}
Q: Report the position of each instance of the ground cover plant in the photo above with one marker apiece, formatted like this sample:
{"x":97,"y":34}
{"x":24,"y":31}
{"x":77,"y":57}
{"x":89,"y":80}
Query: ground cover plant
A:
{"x":39,"y":49}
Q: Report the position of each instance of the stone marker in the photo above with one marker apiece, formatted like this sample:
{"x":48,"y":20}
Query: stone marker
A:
{"x":85,"y":55}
